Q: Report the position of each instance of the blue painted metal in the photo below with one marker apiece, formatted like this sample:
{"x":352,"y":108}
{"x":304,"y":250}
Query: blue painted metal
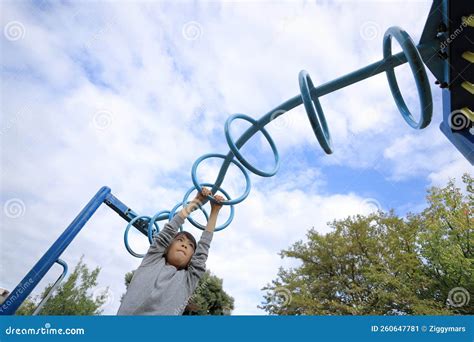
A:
{"x":33,"y":277}
{"x":421,"y":79}
{"x":127,"y":229}
{"x":173,"y":212}
{"x":456,"y":38}
{"x":200,"y":226}
{"x":432,"y":32}
{"x":53,"y":288}
{"x":315,"y":112}
{"x":227,"y":159}
{"x":462,"y":139}
{"x":443,"y":61}
{"x":126,"y":213}
{"x":159,"y":216}
{"x":240,"y":157}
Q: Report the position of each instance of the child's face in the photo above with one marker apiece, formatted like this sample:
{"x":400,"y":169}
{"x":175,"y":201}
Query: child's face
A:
{"x":180,"y":252}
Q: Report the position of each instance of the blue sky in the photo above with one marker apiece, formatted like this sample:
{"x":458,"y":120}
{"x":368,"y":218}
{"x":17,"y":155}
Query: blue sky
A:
{"x":130,"y":94}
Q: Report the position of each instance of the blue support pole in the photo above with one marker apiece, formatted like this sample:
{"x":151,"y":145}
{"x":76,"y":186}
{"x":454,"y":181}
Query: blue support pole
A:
{"x":34,"y":276}
{"x":53,"y":288}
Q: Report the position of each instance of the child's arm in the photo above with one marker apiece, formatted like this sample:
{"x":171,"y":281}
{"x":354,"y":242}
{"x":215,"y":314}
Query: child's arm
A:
{"x":199,"y":200}
{"x":163,"y":239}
{"x":197,"y":266}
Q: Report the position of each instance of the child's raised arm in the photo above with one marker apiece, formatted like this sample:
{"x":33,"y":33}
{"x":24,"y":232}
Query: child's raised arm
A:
{"x":199,"y":200}
{"x":163,"y":239}
{"x":215,"y":208}
{"x":197,"y":266}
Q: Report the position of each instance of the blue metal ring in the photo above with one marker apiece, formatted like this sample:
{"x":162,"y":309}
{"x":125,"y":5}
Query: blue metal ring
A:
{"x":200,"y":226}
{"x":418,"y":69}
{"x":173,"y":213}
{"x":125,"y":235}
{"x":317,"y":119}
{"x":153,"y":223}
{"x":217,"y":155}
{"x":237,"y":153}
{"x":315,"y":112}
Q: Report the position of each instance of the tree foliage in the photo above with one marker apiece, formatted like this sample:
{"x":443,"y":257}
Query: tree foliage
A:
{"x":75,"y":296}
{"x":382,"y":264}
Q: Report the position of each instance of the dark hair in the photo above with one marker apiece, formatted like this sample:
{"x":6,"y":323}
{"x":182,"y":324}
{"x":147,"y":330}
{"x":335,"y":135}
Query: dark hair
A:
{"x":189,"y":236}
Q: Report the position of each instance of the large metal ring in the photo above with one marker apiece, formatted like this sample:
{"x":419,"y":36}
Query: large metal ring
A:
{"x":418,"y":69}
{"x":125,"y":235}
{"x":239,"y":155}
{"x":217,"y":155}
{"x":315,"y":112}
{"x":200,"y":226}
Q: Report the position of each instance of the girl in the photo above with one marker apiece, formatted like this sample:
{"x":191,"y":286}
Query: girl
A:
{"x":172,"y":267}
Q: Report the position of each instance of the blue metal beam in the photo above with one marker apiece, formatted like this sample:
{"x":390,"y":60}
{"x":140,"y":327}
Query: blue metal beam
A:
{"x":34,"y":276}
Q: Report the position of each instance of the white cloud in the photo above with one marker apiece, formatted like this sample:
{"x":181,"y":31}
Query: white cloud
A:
{"x":245,"y":254}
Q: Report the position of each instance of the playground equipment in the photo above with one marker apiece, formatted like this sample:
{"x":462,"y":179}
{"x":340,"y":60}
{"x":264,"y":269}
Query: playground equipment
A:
{"x":443,"y":47}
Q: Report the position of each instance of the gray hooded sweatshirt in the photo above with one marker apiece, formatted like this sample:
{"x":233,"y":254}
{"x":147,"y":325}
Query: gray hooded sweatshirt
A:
{"x":158,"y":288}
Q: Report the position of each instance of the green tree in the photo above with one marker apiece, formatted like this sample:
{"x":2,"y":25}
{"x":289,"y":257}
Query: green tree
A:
{"x":72,"y":297}
{"x":209,"y":298}
{"x":382,"y":264}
